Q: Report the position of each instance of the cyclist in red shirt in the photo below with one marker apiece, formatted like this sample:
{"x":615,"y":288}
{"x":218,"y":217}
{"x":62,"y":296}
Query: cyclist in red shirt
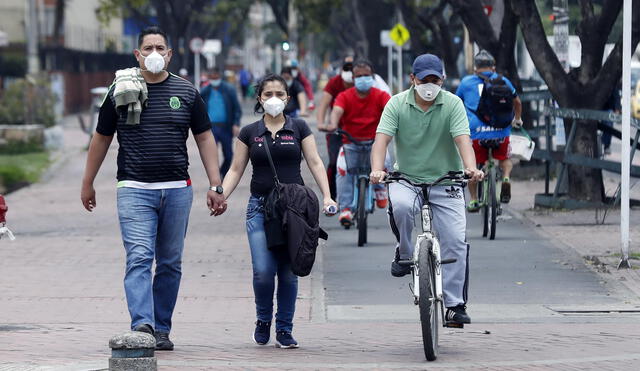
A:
{"x":358,"y":109}
{"x":335,"y":86}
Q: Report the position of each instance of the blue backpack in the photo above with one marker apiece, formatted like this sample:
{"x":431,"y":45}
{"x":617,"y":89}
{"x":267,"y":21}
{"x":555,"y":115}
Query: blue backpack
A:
{"x":495,"y":107}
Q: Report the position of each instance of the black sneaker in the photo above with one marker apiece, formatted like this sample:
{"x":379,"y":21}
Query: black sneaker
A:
{"x":458,"y":314}
{"x":261,"y":333}
{"x":505,"y":192}
{"x":285,"y":340}
{"x":163,"y":342}
{"x":398,"y":270}
{"x":146,"y":328}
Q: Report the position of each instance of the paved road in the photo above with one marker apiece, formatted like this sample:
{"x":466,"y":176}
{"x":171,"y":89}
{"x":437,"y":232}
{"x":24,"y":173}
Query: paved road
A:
{"x":62,"y":296}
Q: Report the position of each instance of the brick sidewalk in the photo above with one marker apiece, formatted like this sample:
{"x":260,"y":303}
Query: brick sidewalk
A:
{"x":63,"y":298}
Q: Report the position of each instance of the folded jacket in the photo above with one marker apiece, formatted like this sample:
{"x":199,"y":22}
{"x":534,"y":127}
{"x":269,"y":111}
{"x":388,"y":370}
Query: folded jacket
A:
{"x":130,"y":91}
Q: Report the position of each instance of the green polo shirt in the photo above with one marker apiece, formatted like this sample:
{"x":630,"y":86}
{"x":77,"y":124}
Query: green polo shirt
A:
{"x":425,"y":149}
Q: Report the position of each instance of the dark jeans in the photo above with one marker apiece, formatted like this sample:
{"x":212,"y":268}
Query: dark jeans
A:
{"x":267,"y":265}
{"x":224,"y":137}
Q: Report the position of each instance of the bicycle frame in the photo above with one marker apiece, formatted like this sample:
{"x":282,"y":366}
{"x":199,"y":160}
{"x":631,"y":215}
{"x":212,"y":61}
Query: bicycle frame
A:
{"x":356,"y":193}
{"x":490,"y":165}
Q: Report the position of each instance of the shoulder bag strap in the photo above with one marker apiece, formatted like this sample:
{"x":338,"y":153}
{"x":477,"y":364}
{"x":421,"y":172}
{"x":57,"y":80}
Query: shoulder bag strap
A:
{"x":266,"y":138}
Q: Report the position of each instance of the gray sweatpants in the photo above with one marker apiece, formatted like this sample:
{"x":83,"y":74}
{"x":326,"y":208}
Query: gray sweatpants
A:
{"x":449,"y":224}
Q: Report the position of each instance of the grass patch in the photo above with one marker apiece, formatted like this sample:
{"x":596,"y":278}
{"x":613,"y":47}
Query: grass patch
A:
{"x":632,"y":255}
{"x":18,"y":170}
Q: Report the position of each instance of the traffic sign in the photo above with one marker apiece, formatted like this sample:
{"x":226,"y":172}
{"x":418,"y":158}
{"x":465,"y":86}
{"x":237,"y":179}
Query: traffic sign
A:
{"x":196,"y":44}
{"x":213,"y":46}
{"x":399,"y":34}
{"x":385,"y":38}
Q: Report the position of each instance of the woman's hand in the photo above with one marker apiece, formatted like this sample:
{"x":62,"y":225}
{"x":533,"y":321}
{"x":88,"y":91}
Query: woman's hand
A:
{"x":328,"y":205}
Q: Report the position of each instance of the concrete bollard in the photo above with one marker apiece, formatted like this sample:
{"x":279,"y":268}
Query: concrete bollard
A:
{"x":133,"y":351}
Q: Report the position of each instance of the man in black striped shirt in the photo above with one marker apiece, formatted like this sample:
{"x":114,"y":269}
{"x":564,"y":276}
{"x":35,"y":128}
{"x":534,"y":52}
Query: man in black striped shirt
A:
{"x":154,"y":188}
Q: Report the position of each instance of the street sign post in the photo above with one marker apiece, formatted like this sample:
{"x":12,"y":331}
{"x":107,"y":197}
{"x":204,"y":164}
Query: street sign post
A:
{"x":196,"y":45}
{"x":385,"y":40}
{"x":400,"y":35}
{"x":625,"y":154}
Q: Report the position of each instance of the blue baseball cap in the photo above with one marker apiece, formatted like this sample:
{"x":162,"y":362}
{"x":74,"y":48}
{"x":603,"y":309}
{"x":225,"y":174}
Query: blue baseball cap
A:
{"x":427,"y":64}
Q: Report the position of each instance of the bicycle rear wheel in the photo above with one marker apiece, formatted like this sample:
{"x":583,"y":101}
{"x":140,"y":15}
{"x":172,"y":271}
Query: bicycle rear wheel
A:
{"x":427,"y":302}
{"x":361,"y":214}
{"x":485,"y":208}
{"x":493,"y":200}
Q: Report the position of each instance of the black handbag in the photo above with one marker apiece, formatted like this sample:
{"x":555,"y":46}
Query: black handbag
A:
{"x":276,"y":238}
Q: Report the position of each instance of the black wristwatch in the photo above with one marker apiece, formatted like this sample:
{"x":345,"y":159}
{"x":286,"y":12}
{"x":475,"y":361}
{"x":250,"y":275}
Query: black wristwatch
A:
{"x":217,"y":189}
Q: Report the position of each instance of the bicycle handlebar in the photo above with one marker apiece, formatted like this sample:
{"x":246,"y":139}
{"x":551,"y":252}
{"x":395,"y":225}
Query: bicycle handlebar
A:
{"x":457,"y":177}
{"x":341,"y":132}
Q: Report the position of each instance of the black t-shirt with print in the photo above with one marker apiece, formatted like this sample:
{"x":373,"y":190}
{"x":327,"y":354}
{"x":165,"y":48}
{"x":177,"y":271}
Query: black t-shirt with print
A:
{"x":286,"y":151}
{"x":155,"y":150}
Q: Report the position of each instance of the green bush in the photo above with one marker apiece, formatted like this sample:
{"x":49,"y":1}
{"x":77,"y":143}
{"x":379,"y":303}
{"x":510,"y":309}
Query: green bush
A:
{"x":28,"y":101}
{"x":15,"y":147}
{"x":13,"y":65}
{"x":20,"y":170}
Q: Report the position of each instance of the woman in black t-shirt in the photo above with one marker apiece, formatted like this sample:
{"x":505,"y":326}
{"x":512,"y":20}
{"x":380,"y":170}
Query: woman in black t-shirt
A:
{"x":288,"y":139}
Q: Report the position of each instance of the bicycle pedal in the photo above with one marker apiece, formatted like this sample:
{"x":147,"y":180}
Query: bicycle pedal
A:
{"x":453,"y":324}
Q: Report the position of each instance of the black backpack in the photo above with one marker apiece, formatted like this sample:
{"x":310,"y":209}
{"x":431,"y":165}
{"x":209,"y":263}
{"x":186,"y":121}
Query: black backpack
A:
{"x":495,"y":107}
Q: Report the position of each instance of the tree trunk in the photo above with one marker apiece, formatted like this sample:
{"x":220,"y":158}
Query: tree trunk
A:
{"x":585,"y":183}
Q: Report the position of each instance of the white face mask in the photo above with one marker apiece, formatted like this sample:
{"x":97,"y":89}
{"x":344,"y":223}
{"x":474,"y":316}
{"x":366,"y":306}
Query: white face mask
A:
{"x":428,"y":91}
{"x":347,"y":76}
{"x":273,"y":106}
{"x":294,"y":73}
{"x":154,"y":62}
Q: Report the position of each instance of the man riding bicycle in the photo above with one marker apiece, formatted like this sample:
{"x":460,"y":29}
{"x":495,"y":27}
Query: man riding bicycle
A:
{"x":431,"y":134}
{"x":358,"y":109}
{"x":486,"y":136}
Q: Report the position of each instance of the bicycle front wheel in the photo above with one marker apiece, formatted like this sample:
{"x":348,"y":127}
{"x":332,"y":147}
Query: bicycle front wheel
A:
{"x":493,"y":199}
{"x":427,"y":302}
{"x":361,"y":214}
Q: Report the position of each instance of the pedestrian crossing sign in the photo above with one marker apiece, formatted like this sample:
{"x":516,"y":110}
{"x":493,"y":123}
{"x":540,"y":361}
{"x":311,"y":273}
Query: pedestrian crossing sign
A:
{"x":399,"y":34}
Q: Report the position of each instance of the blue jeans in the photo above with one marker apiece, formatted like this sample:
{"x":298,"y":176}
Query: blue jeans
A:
{"x":345,"y":182}
{"x":266,"y":264}
{"x":153,"y":225}
{"x":224,"y":137}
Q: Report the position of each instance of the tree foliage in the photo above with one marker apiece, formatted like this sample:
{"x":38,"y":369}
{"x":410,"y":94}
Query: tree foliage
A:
{"x":588,"y":86}
{"x":184,"y":19}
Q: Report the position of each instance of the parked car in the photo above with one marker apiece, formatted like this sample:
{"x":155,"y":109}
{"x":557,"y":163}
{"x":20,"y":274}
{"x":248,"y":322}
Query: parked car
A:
{"x":635,"y":86}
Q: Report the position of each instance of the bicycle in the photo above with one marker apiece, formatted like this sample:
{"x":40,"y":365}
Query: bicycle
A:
{"x":426,"y":273}
{"x":488,"y":194}
{"x":363,"y":195}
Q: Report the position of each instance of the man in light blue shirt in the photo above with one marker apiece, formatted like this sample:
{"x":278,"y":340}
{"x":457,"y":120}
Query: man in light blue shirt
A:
{"x":224,"y":111}
{"x":470,"y":90}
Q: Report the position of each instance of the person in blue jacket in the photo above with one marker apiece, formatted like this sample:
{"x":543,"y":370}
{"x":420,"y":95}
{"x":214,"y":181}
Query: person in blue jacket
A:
{"x":224,"y":111}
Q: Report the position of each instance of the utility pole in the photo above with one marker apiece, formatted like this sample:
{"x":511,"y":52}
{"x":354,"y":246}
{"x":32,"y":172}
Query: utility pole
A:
{"x":292,"y":34}
{"x":31,"y":32}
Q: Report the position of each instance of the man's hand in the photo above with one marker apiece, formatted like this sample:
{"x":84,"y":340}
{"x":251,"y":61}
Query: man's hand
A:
{"x":322,"y":126}
{"x":235,"y":129}
{"x":516,"y":123}
{"x":88,"y":197}
{"x":216,"y":203}
{"x":475,"y":175}
{"x":377,"y":176}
